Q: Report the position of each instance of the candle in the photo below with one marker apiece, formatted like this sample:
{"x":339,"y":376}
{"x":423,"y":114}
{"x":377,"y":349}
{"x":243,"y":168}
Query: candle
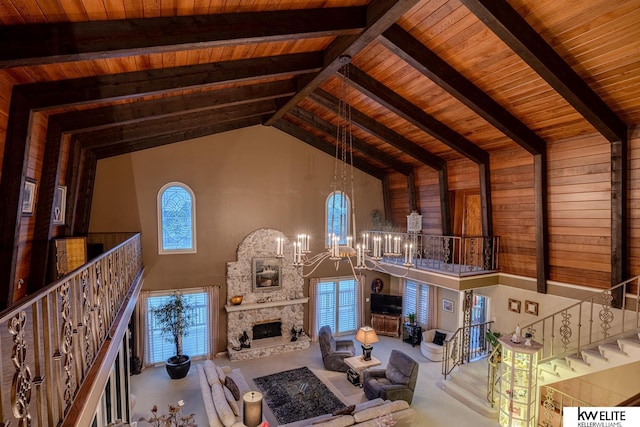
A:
{"x":252,"y":408}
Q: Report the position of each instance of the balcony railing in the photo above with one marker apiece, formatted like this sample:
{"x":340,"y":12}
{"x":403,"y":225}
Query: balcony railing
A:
{"x":51,"y":343}
{"x":452,"y":255}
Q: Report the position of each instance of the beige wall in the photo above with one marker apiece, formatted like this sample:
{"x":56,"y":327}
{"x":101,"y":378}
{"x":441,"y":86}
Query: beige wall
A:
{"x":243,"y":180}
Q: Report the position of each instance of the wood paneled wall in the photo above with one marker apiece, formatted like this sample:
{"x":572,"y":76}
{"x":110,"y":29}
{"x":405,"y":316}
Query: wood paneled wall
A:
{"x":634,"y":203}
{"x":428,"y":200}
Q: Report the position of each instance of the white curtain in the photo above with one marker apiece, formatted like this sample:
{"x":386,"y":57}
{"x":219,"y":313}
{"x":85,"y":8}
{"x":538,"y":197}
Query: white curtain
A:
{"x":141,"y":327}
{"x":313,"y":328}
{"x":213,"y":295}
{"x":360,"y":296}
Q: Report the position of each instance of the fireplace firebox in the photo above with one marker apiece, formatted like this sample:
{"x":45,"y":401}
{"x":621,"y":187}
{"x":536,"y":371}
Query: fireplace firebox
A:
{"x":267,"y":329}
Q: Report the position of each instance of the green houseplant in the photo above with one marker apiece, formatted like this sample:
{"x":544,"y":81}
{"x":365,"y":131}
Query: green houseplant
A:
{"x":412,"y":318}
{"x":174,"y":317}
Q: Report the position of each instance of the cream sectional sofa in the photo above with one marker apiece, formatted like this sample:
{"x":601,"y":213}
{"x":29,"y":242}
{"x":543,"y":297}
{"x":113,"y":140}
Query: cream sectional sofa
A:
{"x":366,"y":414}
{"x":222,"y":408}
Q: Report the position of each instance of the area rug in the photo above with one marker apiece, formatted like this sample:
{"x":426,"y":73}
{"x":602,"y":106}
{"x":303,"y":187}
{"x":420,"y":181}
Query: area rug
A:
{"x":296,"y":395}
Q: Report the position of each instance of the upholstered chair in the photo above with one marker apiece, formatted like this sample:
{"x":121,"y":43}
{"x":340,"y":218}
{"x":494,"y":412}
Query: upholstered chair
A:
{"x":396,"y":382}
{"x":334,"y":352}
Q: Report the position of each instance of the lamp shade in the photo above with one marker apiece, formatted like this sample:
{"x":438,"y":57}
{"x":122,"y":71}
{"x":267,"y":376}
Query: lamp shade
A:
{"x":366,"y":335}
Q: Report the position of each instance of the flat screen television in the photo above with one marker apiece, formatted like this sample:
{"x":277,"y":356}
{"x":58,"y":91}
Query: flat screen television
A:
{"x":386,"y":304}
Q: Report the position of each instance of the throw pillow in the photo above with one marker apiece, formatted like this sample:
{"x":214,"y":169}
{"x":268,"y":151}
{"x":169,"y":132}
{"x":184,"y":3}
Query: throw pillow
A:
{"x":438,"y":339}
{"x":348,"y":410}
{"x":223,"y":409}
{"x":221,"y":374}
{"x":233,"y":387}
{"x":210,"y":371}
{"x":230,"y":400}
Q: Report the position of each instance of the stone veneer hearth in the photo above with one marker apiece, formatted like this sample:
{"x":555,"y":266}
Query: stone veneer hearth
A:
{"x":285,"y":303}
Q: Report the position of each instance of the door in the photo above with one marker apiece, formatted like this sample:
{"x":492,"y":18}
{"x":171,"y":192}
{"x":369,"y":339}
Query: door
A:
{"x":479,"y":316}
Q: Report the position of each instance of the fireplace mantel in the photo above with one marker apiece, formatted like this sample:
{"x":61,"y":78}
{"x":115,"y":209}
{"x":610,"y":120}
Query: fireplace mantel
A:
{"x":259,"y":305}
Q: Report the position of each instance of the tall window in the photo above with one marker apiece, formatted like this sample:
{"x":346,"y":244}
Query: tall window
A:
{"x":194,"y":344}
{"x":338,"y":212}
{"x":416,"y":300}
{"x":176,"y":219}
{"x":336,"y":305}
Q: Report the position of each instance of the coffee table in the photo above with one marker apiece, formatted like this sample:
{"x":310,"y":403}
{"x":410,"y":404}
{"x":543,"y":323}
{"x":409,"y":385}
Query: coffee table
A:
{"x":358,"y":364}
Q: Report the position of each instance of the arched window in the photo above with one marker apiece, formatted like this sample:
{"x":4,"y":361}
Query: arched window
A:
{"x":176,"y":219}
{"x":338,"y":213}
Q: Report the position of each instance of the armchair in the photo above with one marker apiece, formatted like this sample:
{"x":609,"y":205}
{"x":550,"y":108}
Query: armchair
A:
{"x":396,"y":382}
{"x":334,"y":352}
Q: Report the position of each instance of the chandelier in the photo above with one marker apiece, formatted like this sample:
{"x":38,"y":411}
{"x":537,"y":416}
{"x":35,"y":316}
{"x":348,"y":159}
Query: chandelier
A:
{"x":372,"y":248}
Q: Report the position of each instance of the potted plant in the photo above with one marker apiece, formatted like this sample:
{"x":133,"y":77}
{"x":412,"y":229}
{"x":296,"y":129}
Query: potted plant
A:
{"x":412,"y":318}
{"x":175,"y":317}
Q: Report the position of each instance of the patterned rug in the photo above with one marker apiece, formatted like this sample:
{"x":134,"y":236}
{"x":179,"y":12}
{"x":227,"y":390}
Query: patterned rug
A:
{"x":290,"y":400}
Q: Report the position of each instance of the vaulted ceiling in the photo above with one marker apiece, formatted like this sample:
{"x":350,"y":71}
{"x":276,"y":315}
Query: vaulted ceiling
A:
{"x":433,"y":81}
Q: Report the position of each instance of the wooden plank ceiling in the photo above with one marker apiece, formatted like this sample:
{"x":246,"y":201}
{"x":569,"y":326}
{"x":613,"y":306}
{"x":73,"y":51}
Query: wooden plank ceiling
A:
{"x":432,"y":81}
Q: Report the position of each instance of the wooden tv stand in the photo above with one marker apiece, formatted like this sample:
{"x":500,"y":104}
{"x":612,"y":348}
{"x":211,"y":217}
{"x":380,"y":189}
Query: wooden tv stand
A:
{"x":386,"y":324}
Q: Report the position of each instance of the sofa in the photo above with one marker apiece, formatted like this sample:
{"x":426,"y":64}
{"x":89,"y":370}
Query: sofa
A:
{"x":434,"y":350}
{"x":366,"y":414}
{"x":222,"y":391}
{"x":334,"y":351}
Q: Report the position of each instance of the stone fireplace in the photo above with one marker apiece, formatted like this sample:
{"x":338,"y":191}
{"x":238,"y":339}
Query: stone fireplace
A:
{"x":284,"y":304}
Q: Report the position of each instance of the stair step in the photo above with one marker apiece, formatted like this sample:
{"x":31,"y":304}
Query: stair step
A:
{"x":561,"y":365}
{"x":480,"y":405}
{"x":630,"y":344}
{"x":577,"y":363}
{"x":614,"y":353}
{"x":593,"y":357}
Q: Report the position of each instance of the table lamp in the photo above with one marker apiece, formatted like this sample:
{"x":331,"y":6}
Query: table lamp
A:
{"x":252,"y":408}
{"x":366,"y":336}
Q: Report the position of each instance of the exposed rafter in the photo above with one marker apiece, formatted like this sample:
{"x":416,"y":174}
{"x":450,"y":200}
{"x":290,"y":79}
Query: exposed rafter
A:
{"x":359,"y":145}
{"x":365,"y":122}
{"x":414,"y":115}
{"x":503,"y":20}
{"x":404,"y":45}
{"x":35,"y":44}
{"x":381,"y":14}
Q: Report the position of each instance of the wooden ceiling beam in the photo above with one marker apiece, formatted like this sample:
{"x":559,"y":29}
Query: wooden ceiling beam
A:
{"x":165,"y":80}
{"x":177,"y":136}
{"x":99,"y":118}
{"x":37,"y":44}
{"x":327,"y":147}
{"x":412,"y":51}
{"x":414,"y":115}
{"x":514,"y":30}
{"x":382,"y":132}
{"x":381,"y":14}
{"x":124,"y":133}
{"x":361,"y":146}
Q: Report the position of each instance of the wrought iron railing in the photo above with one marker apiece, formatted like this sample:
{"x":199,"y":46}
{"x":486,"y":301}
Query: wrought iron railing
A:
{"x":590,"y":321}
{"x":49,"y":342}
{"x":453,"y":255}
{"x":466,"y":344}
{"x":493,"y":366}
{"x":553,"y":404}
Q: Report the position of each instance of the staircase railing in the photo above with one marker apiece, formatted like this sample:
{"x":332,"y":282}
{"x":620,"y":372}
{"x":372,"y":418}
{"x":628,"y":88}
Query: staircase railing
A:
{"x":493,"y":366}
{"x":466,"y":344}
{"x":585,"y":323}
{"x":553,"y":404}
{"x":52,"y":340}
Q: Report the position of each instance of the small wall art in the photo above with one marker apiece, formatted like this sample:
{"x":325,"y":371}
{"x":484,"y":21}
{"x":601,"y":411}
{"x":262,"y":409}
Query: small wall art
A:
{"x":514,"y":305}
{"x":59,"y":205}
{"x":29,"y":197}
{"x":531,"y":307}
{"x":447,"y":305}
{"x":266,"y":274}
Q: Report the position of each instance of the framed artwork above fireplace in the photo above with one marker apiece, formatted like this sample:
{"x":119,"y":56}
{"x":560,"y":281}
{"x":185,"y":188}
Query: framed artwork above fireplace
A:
{"x":266,"y":274}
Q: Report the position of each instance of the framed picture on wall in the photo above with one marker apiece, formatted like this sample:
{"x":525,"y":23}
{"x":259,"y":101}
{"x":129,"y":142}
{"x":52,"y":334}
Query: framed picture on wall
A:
{"x":447,"y":305}
{"x":266,"y":274}
{"x":29,"y":197}
{"x":514,"y":305}
{"x":59,"y":205}
{"x":531,"y":307}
